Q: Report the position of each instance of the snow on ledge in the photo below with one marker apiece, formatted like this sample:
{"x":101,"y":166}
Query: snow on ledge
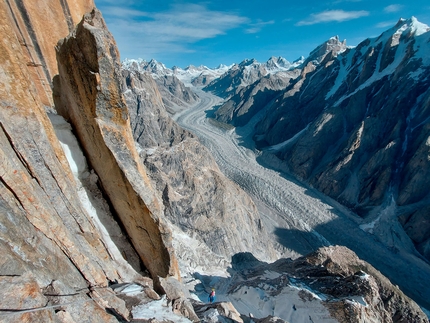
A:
{"x":158,"y":310}
{"x":79,"y":167}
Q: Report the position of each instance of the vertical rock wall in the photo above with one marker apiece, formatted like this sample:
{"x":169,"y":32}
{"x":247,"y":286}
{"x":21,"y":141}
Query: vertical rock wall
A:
{"x":48,"y":243}
{"x":89,"y":93}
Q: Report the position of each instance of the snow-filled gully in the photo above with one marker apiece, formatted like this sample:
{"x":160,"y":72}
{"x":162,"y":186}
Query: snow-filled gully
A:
{"x":298,"y":208}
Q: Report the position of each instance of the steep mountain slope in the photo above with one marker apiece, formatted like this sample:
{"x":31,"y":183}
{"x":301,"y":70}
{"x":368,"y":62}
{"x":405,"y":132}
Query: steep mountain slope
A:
{"x":355,"y":126}
{"x":28,"y":19}
{"x":90,"y":96}
{"x":175,"y":94}
{"x":199,"y":75}
{"x":253,"y":98}
{"x":250,"y":100}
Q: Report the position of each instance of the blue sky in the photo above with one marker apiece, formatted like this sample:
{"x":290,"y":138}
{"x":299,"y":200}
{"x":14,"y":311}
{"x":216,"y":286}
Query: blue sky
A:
{"x":213,"y":32}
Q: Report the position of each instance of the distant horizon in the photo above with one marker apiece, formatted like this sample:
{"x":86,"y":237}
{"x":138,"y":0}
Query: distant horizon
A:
{"x":182,"y":33}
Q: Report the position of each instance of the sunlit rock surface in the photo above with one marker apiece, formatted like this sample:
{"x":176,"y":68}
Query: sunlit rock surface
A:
{"x":89,"y":94}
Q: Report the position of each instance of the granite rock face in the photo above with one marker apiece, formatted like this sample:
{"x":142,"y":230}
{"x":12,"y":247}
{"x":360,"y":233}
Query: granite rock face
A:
{"x":49,"y":244}
{"x":89,"y":95}
{"x":153,"y":174}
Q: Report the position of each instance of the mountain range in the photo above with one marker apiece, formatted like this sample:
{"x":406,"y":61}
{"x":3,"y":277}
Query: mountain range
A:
{"x":354,"y":125}
{"x":111,"y":212}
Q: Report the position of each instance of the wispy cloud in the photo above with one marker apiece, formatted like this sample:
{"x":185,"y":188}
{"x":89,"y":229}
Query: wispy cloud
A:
{"x":256,"y":27}
{"x":393,"y":8}
{"x":385,"y":24}
{"x":332,"y":15}
{"x":172,"y":30}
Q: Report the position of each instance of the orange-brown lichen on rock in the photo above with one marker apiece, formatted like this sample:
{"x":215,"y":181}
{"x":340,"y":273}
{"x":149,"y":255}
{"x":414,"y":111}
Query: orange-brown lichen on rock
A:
{"x":89,"y":95}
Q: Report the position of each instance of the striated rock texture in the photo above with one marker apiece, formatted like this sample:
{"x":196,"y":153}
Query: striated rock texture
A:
{"x":197,"y":197}
{"x":28,"y":19}
{"x":89,"y":95}
{"x":51,"y":251}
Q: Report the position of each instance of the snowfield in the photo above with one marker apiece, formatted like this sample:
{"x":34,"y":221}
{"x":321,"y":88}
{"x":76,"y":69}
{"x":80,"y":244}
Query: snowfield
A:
{"x":299,"y":217}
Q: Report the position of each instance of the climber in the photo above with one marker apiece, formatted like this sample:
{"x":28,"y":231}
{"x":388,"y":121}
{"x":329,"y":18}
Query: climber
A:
{"x":211,"y":297}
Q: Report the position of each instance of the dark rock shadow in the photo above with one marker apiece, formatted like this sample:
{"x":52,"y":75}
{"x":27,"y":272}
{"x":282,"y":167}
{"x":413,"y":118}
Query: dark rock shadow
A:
{"x":300,"y":241}
{"x":210,"y":113}
{"x":203,"y":289}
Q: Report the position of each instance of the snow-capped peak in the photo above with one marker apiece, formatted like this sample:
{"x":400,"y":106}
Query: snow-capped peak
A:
{"x":407,"y":41}
{"x":403,"y":29}
{"x":278,"y":62}
{"x":248,"y":62}
{"x":222,"y":66}
{"x":133,"y":64}
{"x":140,"y":65}
{"x":412,"y":26}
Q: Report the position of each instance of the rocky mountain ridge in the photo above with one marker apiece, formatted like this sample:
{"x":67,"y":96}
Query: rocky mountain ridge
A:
{"x":354,"y":125}
{"x":175,"y":95}
{"x":247,"y":72}
{"x":330,"y":285}
{"x":191,"y":75}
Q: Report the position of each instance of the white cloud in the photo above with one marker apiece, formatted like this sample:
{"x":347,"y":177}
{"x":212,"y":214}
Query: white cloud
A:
{"x":153,"y":33}
{"x":393,"y":8}
{"x":256,"y":27}
{"x":332,"y":15}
